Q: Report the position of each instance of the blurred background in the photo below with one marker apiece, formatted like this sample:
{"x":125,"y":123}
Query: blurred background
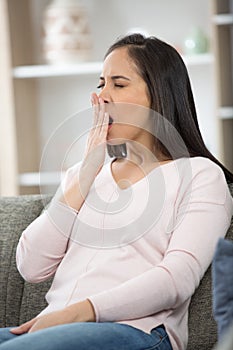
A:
{"x":51,"y":56}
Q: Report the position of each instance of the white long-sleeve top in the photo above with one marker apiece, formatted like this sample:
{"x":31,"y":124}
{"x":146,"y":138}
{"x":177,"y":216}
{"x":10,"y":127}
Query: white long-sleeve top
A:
{"x":137,"y":254}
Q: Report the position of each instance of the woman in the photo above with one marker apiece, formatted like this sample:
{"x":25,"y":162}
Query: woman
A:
{"x":128,"y":241}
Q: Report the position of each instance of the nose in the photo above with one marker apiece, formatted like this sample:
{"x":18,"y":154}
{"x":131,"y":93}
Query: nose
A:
{"x":105,"y":95}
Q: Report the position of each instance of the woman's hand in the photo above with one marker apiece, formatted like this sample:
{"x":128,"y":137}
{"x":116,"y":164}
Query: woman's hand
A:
{"x":78,"y":312}
{"x":76,"y":192}
{"x":96,"y":143}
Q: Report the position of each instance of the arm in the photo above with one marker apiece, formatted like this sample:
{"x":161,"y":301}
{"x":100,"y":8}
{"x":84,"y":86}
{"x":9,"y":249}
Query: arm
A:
{"x":43,"y":244}
{"x":202,"y":219}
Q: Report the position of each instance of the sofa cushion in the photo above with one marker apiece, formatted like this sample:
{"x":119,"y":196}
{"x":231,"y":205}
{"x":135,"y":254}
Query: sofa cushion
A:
{"x":19,"y":301}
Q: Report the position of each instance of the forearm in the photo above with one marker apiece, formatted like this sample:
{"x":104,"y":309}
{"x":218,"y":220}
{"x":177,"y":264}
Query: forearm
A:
{"x":81,"y":312}
{"x":153,"y":291}
{"x":44,"y":242}
{"x":78,"y":312}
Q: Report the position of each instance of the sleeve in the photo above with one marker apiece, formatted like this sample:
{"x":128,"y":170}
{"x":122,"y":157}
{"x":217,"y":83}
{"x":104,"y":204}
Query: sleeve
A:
{"x":43,"y":243}
{"x":203,"y":215}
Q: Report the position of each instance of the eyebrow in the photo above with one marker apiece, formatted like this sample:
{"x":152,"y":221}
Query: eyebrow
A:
{"x":115,"y":77}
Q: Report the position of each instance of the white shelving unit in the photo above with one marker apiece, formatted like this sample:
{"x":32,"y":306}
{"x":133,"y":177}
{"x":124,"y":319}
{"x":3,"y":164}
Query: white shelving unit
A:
{"x":89,"y":68}
{"x":223,"y":43}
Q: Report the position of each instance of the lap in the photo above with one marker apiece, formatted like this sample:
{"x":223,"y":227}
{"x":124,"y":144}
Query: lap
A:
{"x":87,"y":335}
{"x":5,"y":335}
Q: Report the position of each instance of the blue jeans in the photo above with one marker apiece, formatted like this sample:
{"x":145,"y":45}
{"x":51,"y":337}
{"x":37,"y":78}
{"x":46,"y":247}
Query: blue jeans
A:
{"x":87,"y":336}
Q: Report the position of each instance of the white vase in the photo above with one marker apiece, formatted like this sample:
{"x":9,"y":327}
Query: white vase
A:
{"x":66,"y":33}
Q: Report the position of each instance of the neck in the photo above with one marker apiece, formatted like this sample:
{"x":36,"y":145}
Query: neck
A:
{"x":141,"y":151}
{"x":140,"y":154}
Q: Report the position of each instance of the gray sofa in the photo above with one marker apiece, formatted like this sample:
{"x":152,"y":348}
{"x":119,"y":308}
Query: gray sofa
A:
{"x":21,"y":301}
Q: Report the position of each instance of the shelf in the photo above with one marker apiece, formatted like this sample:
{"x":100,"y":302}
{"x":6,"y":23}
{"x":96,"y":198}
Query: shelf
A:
{"x":225,"y":112}
{"x":88,"y":68}
{"x":46,"y":71}
{"x":223,"y":19}
{"x":198,"y":59}
{"x":40,"y":179}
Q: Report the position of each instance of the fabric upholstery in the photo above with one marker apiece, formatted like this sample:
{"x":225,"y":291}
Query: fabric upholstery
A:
{"x":21,"y":301}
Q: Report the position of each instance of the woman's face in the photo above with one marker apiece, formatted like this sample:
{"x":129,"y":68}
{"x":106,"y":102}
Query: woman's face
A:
{"x":126,"y":96}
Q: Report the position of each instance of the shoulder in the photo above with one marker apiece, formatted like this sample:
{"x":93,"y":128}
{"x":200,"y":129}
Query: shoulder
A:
{"x":208,"y":180}
{"x":201,"y":168}
{"x":204,"y":163}
{"x":207,"y":171}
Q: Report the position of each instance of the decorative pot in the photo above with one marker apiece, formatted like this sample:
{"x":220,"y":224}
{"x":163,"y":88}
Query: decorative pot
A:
{"x":196,"y":42}
{"x":66,"y":33}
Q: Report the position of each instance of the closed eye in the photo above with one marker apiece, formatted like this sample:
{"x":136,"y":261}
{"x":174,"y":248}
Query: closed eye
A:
{"x":119,"y":85}
{"x":100,"y":86}
{"x":116,"y":85}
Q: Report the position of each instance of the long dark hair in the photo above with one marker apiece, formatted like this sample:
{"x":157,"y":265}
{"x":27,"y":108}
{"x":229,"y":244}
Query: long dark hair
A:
{"x":169,"y":88}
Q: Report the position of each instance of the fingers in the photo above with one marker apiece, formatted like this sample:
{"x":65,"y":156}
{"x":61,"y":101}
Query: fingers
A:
{"x":94,"y":99}
{"x":104,"y":125}
{"x":99,"y":112}
{"x":95,"y":105}
{"x":98,"y":134}
{"x":23,"y":328}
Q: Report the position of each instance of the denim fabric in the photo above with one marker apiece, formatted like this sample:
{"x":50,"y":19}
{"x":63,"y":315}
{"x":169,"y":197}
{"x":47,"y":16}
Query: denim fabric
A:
{"x":87,"y":336}
{"x":223,"y":285}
